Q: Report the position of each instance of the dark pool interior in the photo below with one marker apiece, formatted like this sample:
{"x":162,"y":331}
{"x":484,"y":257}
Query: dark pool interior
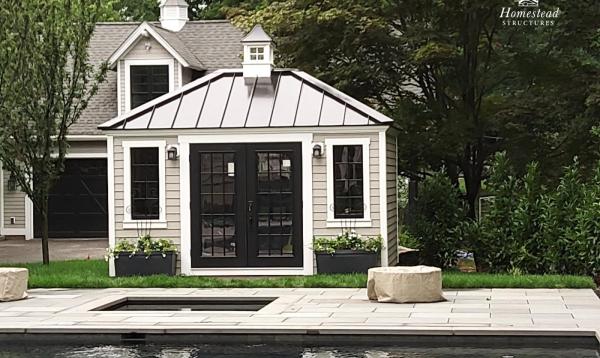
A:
{"x":283,"y":350}
{"x":186,"y":304}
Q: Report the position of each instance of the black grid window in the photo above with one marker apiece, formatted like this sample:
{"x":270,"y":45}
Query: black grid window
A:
{"x":148,"y":83}
{"x":348,"y":181}
{"x":144,"y":184}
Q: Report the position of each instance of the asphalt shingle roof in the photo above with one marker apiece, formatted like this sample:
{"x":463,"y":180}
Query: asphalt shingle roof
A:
{"x":210,"y":45}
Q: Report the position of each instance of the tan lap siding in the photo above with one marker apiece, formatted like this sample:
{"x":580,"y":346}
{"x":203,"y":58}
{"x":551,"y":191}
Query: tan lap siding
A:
{"x":172,"y":232}
{"x":320,"y":187}
{"x":392,"y":197}
{"x":14,"y":205}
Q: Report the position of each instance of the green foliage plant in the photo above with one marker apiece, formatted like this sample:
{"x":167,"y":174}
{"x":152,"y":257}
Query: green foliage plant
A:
{"x":347,"y":240}
{"x":145,"y":244}
{"x":438,"y":217}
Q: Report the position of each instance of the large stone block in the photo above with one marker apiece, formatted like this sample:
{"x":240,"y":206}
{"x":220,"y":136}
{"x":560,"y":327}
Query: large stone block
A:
{"x":404,"y":284}
{"x":13,"y":283}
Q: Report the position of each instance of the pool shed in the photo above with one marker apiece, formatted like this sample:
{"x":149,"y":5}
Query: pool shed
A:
{"x":242,"y":168}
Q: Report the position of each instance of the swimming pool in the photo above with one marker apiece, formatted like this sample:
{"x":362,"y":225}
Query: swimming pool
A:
{"x":281,"y":350}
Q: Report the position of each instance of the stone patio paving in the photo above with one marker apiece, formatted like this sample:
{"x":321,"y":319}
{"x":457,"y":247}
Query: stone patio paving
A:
{"x":560,"y":312}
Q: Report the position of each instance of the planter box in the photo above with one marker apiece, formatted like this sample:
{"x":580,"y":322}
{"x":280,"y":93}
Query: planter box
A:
{"x":346,"y":261}
{"x":142,"y":265}
{"x":408,"y":258}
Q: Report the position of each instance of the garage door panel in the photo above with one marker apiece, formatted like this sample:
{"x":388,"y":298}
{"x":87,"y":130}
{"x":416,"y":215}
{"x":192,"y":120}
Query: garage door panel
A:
{"x":78,"y":202}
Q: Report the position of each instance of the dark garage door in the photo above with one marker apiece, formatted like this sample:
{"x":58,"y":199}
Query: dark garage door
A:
{"x":78,"y":202}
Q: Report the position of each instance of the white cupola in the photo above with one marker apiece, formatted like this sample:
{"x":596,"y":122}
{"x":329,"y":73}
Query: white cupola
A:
{"x":173,"y":14}
{"x":258,"y":54}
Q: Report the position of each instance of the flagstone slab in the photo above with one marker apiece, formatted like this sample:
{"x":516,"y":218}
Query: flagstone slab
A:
{"x":303,"y":310}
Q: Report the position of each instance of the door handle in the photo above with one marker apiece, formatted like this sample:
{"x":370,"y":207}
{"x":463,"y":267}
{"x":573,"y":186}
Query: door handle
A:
{"x":250,"y":211}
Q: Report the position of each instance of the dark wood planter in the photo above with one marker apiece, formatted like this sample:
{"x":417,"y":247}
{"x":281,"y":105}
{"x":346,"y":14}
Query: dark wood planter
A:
{"x":408,"y":258}
{"x":142,"y":265}
{"x":346,"y":261}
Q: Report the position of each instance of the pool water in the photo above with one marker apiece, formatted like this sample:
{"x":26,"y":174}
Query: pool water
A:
{"x":282,"y":350}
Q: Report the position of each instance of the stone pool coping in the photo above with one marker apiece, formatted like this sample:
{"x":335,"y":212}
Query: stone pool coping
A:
{"x":312,"y":312}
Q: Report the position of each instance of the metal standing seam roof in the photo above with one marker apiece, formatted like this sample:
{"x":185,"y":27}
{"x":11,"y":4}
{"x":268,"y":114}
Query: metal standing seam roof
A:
{"x":225,"y":99}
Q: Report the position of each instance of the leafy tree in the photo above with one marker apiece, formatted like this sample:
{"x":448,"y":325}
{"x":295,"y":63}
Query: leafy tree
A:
{"x":148,"y":10}
{"x":461,"y":85}
{"x":45,"y":84}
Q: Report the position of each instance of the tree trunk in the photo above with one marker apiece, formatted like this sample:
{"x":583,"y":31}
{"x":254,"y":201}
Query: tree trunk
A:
{"x":44,"y":215}
{"x":452,"y":172}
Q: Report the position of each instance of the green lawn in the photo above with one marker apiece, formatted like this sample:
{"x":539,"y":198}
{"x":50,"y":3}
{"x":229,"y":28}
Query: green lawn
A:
{"x":94,"y":274}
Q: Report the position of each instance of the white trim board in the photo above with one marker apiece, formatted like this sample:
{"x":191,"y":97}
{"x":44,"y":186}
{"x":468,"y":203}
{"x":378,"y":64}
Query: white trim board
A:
{"x":128,"y":222}
{"x":2,"y":199}
{"x":248,"y":271}
{"x":358,"y":130}
{"x":365,"y":221}
{"x":150,"y":62}
{"x":307,"y":218}
{"x":383,"y":214}
{"x":19,"y":231}
{"x":86,"y":156}
{"x":28,"y":218}
{"x":120,"y":103}
{"x":133,"y":39}
{"x":85,"y":137}
{"x":111,"y":200}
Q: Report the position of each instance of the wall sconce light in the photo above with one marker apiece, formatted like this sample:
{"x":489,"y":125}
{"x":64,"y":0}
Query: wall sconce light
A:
{"x":12,"y":183}
{"x":172,"y":152}
{"x":318,"y":150}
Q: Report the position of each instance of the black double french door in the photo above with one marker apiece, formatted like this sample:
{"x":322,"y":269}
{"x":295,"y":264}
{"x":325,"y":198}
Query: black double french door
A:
{"x":246,"y":205}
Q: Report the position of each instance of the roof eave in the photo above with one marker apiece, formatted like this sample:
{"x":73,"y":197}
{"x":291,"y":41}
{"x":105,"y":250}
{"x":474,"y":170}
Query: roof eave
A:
{"x":110,"y":124}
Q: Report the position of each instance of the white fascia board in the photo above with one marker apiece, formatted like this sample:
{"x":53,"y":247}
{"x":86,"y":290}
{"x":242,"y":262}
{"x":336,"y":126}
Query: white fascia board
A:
{"x":132,"y":39}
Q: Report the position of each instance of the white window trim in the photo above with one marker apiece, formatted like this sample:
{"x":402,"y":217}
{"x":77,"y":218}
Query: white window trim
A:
{"x":365,"y":221}
{"x":128,"y":222}
{"x":157,"y":62}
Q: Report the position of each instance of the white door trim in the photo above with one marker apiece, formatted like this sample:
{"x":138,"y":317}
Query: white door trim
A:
{"x":185,"y":201}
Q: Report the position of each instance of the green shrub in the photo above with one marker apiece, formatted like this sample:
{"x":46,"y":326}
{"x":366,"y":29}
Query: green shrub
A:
{"x":347,"y":240}
{"x":405,"y":239}
{"x":145,"y":244}
{"x":536,"y":229}
{"x":438,"y":218}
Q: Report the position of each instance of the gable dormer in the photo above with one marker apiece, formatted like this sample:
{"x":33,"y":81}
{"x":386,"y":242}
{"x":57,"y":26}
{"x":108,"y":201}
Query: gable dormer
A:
{"x":152,"y":61}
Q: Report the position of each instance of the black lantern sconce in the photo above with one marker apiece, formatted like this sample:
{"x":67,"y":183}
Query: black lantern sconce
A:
{"x":318,"y":150}
{"x":12,"y":182}
{"x":172,"y":152}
